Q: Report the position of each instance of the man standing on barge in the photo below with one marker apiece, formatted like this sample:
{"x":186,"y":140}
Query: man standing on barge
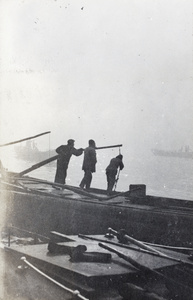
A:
{"x":89,"y":163}
{"x":65,"y":152}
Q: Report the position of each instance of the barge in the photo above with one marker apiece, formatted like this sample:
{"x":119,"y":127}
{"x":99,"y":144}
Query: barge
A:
{"x":36,"y":205}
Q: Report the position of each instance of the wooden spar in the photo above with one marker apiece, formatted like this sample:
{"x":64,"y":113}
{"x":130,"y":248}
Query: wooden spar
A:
{"x":136,"y":242}
{"x":125,"y":246}
{"x":145,"y":270}
{"x":38,"y":165}
{"x":184,"y":250}
{"x":106,"y":147}
{"x":144,"y":246}
{"x":158,"y":254}
{"x":127,"y":258}
{"x":28,"y":138}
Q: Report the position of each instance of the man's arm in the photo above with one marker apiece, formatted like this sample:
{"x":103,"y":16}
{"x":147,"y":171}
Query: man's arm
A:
{"x":77,"y":152}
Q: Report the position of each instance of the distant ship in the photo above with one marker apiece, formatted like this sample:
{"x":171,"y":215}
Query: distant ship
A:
{"x":30,"y":152}
{"x":181,"y":153}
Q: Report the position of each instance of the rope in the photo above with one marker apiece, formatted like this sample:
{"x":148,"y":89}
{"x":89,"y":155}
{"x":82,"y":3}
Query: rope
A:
{"x":75,"y":292}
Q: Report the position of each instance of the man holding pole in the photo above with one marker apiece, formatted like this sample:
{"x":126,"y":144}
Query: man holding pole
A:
{"x":65,"y":152}
{"x":111,"y":171}
{"x":89,"y":163}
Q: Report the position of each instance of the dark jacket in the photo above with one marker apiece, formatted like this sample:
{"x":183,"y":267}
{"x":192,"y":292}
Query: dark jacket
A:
{"x":90,"y":160}
{"x":65,"y":152}
{"x":115,"y":163}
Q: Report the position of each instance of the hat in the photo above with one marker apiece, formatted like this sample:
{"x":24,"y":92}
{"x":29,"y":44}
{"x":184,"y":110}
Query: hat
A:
{"x":120,"y":156}
{"x":92,"y":142}
{"x":70,"y":142}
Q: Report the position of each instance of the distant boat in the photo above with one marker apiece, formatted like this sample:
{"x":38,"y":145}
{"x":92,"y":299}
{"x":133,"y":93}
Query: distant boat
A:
{"x":186,"y":153}
{"x":30,"y":152}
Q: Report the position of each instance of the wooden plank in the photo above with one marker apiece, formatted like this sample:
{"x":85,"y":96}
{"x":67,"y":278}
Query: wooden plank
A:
{"x":86,"y":269}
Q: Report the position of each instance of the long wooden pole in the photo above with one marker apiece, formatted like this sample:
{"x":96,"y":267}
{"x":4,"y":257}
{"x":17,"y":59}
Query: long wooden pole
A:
{"x":132,"y":240}
{"x":28,"y":138}
{"x":142,"y":245}
{"x":125,"y":246}
{"x":106,"y":147}
{"x":145,"y":269}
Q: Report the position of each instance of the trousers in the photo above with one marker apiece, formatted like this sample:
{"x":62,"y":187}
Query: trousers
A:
{"x":86,"y":181}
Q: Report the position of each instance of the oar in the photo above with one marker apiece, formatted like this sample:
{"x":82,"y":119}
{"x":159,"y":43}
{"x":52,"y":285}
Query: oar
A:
{"x":146,"y":270}
{"x":125,"y":246}
{"x":126,"y":258}
{"x":121,"y":235}
{"x":184,"y":250}
{"x":25,"y":139}
{"x":158,"y":254}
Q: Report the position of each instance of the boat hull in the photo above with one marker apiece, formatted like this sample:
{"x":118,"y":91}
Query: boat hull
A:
{"x":151,"y":223}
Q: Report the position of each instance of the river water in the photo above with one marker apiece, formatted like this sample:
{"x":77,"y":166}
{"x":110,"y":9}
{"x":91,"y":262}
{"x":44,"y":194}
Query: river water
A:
{"x":163,"y":176}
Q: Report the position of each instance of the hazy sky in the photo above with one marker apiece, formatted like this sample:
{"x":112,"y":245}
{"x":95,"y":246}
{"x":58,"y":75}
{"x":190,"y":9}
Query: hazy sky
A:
{"x":115,"y":71}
